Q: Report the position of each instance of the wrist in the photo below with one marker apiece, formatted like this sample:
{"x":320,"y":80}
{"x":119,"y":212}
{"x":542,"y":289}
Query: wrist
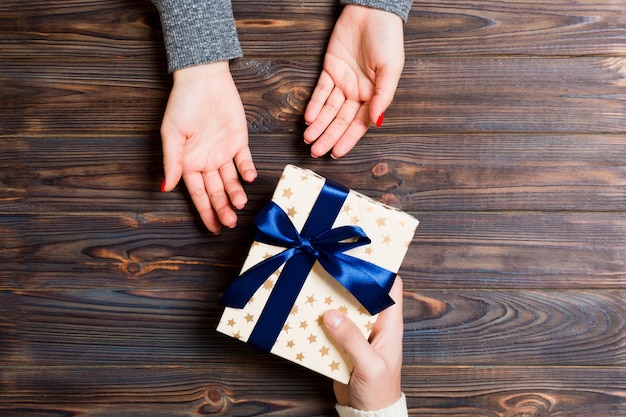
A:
{"x":398,"y":8}
{"x":202,"y":71}
{"x":397,"y":409}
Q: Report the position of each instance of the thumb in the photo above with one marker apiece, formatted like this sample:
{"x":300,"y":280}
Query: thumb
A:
{"x":387,"y":80}
{"x":172,"y":160}
{"x":348,"y":336}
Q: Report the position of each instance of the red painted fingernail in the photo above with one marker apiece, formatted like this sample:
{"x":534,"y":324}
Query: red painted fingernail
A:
{"x":379,"y":122}
{"x":163,"y":185}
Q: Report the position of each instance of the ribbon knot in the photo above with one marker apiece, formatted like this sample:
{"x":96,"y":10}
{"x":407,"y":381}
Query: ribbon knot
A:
{"x":367,"y":282}
{"x":307,"y":246}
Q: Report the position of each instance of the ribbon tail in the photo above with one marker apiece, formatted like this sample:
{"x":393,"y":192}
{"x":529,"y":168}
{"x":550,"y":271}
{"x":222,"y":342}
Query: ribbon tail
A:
{"x":367,"y":282}
{"x":243,"y":288}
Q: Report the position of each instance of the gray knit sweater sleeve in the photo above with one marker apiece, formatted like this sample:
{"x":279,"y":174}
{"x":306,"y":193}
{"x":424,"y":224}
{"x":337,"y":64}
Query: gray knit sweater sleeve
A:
{"x":399,"y":7}
{"x":198,"y":31}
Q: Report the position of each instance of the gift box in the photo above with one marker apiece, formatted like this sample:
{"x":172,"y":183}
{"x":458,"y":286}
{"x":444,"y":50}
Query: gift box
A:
{"x":319,"y":246}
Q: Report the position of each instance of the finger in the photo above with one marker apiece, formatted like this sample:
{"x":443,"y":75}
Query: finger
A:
{"x":245,"y":164}
{"x":387,"y":79}
{"x":197,"y":191}
{"x":232,"y":186}
{"x":326,"y":116}
{"x":337,"y":128}
{"x":173,"y":146}
{"x":353,"y":134}
{"x":324,"y":87}
{"x":349,"y":337}
{"x":389,"y":327}
{"x":218,"y":197}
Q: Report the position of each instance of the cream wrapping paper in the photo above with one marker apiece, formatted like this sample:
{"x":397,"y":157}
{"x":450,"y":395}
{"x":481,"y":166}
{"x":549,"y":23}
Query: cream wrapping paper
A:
{"x":302,"y":339}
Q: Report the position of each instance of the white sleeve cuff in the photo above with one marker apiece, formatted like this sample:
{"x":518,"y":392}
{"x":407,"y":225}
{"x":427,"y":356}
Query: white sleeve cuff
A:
{"x":397,"y":409}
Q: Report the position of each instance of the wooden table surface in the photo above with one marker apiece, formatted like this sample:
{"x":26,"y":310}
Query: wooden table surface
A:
{"x":506,"y":139}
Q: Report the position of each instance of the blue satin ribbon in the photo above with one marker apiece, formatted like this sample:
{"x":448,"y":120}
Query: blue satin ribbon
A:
{"x":369,"y":283}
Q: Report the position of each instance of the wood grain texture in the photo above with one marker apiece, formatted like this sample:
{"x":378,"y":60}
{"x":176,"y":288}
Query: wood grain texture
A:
{"x":221,"y":390}
{"x":125,"y":29}
{"x":514,"y":250}
{"x":459,"y":95}
{"x":505,"y":139}
{"x":414,"y":172}
{"x":470,"y":327}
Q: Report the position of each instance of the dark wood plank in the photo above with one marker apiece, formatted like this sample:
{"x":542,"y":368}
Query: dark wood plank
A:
{"x":416,"y":173}
{"x":131,"y":28}
{"x":220,"y":390}
{"x":525,"y":391}
{"x":516,"y":328}
{"x":113,"y":98}
{"x":213,"y":388}
{"x":89,"y":29}
{"x":511,"y":95}
{"x":450,"y":250}
{"x":561,"y":28}
{"x":464,"y":327}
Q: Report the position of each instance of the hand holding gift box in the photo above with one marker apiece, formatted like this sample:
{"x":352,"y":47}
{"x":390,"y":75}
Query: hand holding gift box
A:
{"x":320,"y":246}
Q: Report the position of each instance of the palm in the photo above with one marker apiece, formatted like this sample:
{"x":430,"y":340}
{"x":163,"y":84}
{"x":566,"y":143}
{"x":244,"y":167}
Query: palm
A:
{"x":362,"y":67}
{"x":205,"y":140}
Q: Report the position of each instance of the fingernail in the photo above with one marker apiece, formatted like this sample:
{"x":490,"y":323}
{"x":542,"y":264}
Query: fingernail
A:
{"x":379,"y":122}
{"x":333,"y":319}
{"x":163,"y":185}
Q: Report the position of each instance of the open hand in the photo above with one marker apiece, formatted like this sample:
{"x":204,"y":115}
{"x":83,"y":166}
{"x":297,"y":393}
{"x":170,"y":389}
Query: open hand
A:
{"x":205,"y":140}
{"x":361,"y":71}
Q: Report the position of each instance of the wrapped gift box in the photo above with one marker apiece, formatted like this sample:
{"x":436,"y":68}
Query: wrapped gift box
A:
{"x":278,"y":306}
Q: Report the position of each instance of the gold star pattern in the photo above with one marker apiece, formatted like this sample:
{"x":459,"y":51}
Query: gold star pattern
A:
{"x":237,"y":335}
{"x":287,"y":193}
{"x":324,"y":350}
{"x":312,"y":348}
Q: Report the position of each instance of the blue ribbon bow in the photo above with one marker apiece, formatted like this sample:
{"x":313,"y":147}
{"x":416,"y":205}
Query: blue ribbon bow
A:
{"x":369,"y":283}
